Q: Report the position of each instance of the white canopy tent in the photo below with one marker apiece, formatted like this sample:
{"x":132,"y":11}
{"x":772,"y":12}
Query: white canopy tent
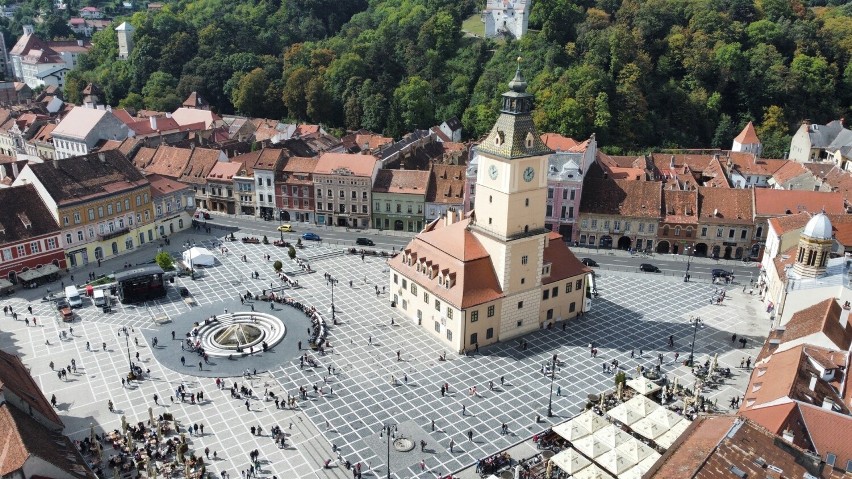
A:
{"x":637,"y":451}
{"x":612,"y":436}
{"x":669,"y":437}
{"x":646,"y":427}
{"x":615,"y":461}
{"x":570,"y":461}
{"x":623,"y":414}
{"x":641,"y":405}
{"x":591,"y":446}
{"x":571,"y":431}
{"x":199,"y":257}
{"x":643,"y":385}
{"x":592,"y":472}
{"x":665,"y":418}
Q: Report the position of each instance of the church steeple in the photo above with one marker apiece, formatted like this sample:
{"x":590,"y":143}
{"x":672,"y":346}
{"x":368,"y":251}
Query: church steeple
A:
{"x":514,"y":134}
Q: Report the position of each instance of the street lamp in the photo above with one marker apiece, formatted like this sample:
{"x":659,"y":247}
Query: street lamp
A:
{"x":696,"y":322}
{"x":389,"y":431}
{"x":332,"y":281}
{"x":690,"y":250}
{"x":127,"y":344}
{"x":550,"y":397}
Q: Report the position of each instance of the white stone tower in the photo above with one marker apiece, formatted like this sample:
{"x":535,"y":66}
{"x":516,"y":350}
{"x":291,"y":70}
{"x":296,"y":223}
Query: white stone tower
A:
{"x":125,"y":40}
{"x":814,"y":247}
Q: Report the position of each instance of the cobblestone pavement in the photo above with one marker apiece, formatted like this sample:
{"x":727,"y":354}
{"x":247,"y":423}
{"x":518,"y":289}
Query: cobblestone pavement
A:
{"x":357,"y":397}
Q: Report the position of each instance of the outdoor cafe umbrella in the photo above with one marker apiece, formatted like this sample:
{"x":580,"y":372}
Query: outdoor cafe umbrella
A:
{"x":570,"y":461}
{"x":624,"y":414}
{"x":667,"y":439}
{"x":615,"y":461}
{"x":612,"y":436}
{"x":637,"y":451}
{"x":116,"y":473}
{"x":590,"y":421}
{"x":571,"y":430}
{"x":591,"y":446}
{"x":123,"y":423}
{"x":641,"y":405}
{"x":592,"y":472}
{"x":646,"y":427}
{"x":643,"y":385}
{"x":665,"y":418}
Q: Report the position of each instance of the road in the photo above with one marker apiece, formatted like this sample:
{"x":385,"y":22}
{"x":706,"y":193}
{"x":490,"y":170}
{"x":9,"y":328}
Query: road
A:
{"x":670,"y":265}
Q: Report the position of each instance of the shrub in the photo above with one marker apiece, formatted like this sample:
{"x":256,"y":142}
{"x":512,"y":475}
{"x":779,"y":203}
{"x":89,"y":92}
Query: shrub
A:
{"x":164,"y":260}
{"x":291,"y":252}
{"x":265,"y":240}
{"x":277,"y":265}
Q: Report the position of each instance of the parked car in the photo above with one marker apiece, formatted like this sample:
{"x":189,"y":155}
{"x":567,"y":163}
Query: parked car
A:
{"x":721,"y":273}
{"x":285,"y":228}
{"x":649,"y":268}
{"x":589,"y":262}
{"x":364,"y":242}
{"x":311,"y":237}
{"x":202,"y":215}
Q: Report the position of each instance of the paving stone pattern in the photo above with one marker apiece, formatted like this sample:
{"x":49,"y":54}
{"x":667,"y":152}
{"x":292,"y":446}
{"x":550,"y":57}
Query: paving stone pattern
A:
{"x":358,"y":397}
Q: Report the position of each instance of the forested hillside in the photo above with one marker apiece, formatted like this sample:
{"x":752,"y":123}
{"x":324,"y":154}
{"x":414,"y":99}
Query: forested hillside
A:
{"x":662,"y":73}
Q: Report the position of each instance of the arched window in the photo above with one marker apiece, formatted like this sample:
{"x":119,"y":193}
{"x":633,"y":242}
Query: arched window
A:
{"x":759,"y":232}
{"x":666,"y":230}
{"x":677,"y":230}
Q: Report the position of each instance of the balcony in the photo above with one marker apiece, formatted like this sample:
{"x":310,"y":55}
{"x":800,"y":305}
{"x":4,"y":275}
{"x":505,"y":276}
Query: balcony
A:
{"x":113,"y":234}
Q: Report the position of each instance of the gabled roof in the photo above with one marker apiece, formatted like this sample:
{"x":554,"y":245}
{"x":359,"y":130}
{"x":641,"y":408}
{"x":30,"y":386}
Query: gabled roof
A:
{"x":79,"y":122}
{"x":194,"y":100}
{"x":161,"y":185}
{"x":563,"y":263}
{"x":680,"y":207}
{"x":187,"y":116}
{"x":453,"y":123}
{"x":88,"y":176}
{"x":772,"y":202}
{"x":748,"y":136}
{"x":359,"y":165}
{"x":823,"y":317}
{"x":24,"y":215}
{"x":557,"y":142}
{"x":16,"y":378}
{"x":201,"y":163}
{"x":725,"y":206}
{"x":446,"y":184}
{"x":24,"y":438}
{"x":167,"y":160}
{"x":455,"y":248}
{"x":300,"y":165}
{"x":224,"y":171}
{"x":401,"y":182}
{"x":621,"y":197}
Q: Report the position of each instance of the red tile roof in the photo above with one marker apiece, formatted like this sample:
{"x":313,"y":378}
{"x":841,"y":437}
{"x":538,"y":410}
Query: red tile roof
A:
{"x":358,"y":165}
{"x":680,"y":207}
{"x":300,"y":165}
{"x":16,"y":378}
{"x":456,"y":249}
{"x":690,"y":452}
{"x":161,"y":186}
{"x":771,"y":202}
{"x":224,"y":171}
{"x":409,"y":182}
{"x":621,"y":197}
{"x":167,"y":160}
{"x":788,"y":172}
{"x":823,"y":317}
{"x":725,"y":206}
{"x":557,"y":142}
{"x":201,"y":162}
{"x":563,"y":263}
{"x":446,"y":184}
{"x":748,"y":136}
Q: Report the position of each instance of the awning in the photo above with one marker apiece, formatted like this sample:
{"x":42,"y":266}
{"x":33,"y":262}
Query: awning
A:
{"x":570,"y":461}
{"x":643,"y":385}
{"x":646,"y":427}
{"x":623,"y":414}
{"x":665,"y":418}
{"x":637,"y":451}
{"x":612,"y":436}
{"x":615,"y":461}
{"x":571,"y":431}
{"x":5,"y":284}
{"x":36,"y":273}
{"x":591,"y":446}
{"x":641,"y":405}
{"x":592,"y":472}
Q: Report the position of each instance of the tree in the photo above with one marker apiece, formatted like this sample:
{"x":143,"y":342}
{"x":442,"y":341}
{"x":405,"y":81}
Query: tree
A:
{"x":773,"y":132}
{"x":277,"y":265}
{"x":291,"y":252}
{"x":413,"y":102}
{"x":133,"y":100}
{"x":249,"y":95}
{"x":160,"y":93}
{"x":295,"y":93}
{"x":164,"y":260}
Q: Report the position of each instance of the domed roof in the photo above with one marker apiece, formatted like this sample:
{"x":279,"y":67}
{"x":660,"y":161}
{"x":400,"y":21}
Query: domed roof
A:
{"x":518,"y":84}
{"x":819,"y":227}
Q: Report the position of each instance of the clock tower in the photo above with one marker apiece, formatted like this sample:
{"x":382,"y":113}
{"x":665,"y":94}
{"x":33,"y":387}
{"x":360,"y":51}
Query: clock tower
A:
{"x":511,"y":197}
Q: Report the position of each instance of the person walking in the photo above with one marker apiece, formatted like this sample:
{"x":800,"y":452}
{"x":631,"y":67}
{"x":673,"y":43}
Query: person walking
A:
{"x":464,"y":409}
{"x":156,"y":400}
{"x":452,"y":444}
{"x":470,"y":435}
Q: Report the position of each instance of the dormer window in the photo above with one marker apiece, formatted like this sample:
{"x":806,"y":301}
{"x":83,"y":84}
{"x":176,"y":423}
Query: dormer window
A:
{"x":529,"y":140}
{"x":499,"y":138}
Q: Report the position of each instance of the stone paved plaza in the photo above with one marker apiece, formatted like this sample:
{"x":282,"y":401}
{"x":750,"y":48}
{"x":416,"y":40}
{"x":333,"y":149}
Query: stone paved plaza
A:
{"x":633,"y":311}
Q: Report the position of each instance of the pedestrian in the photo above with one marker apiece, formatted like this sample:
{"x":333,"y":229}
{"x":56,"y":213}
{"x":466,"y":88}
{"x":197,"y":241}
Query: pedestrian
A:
{"x":248,"y":405}
{"x":470,"y":435}
{"x":558,"y":390}
{"x":433,"y":425}
{"x":464,"y":409}
{"x":452,"y":444}
{"x":734,"y":338}
{"x":156,"y":400}
{"x":207,"y":452}
{"x":88,"y":347}
{"x":501,"y":380}
{"x":182,"y":360}
{"x":422,"y":465}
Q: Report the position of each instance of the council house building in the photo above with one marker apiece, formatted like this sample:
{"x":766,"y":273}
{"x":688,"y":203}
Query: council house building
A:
{"x":498,"y":272}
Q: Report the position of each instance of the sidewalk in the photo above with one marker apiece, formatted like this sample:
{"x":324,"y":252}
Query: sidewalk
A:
{"x":578,"y":250}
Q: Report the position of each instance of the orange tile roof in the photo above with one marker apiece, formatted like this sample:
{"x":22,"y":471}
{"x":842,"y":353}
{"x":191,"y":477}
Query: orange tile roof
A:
{"x":201,"y":162}
{"x":780,"y":202}
{"x":224,"y":171}
{"x":372,"y":141}
{"x":167,"y":160}
{"x":408,"y":182}
{"x":358,"y":165}
{"x":748,"y":136}
{"x":160,"y":185}
{"x":446,"y":184}
{"x":563,"y":263}
{"x":16,"y":378}
{"x":621,"y":197}
{"x":823,"y":317}
{"x":455,"y":248}
{"x":680,"y":207}
{"x":557,"y":142}
{"x":690,"y":452}
{"x":725,"y":206}
{"x":300,"y":164}
{"x":788,"y":172}
{"x":783,"y":224}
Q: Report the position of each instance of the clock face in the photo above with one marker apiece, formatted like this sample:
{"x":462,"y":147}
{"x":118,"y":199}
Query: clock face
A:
{"x":492,"y":172}
{"x":529,"y":173}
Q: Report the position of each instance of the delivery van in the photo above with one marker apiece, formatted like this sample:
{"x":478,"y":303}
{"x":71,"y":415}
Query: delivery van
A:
{"x":99,"y":297}
{"x":73,"y":297}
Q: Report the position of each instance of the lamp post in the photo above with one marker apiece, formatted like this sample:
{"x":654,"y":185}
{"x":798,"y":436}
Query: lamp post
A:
{"x":696,"y":321}
{"x":389,"y":431}
{"x":690,"y":250}
{"x":127,"y":344}
{"x":332,"y":281}
{"x":550,"y":397}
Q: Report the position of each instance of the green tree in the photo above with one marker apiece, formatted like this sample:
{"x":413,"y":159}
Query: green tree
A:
{"x":277,"y":265}
{"x":773,"y":132}
{"x":413,"y":102}
{"x":249,"y":96}
{"x":159,"y":92}
{"x":291,"y":252}
{"x":295,"y":93}
{"x":132,"y":100}
{"x":164,"y":260}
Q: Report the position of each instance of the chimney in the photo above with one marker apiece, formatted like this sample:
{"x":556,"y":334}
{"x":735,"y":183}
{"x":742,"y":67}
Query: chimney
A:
{"x":15,"y":174}
{"x":449,"y":217}
{"x":56,"y":163}
{"x":844,"y":313}
{"x":79,"y":43}
{"x":788,"y":436}
{"x":813,"y":383}
{"x":153,"y":120}
{"x":102,"y":157}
